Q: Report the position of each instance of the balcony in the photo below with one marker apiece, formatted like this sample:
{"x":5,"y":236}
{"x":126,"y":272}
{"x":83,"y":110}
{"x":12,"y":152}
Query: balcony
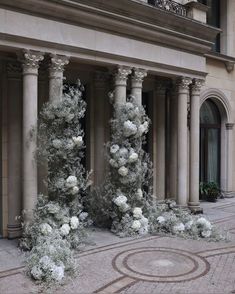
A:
{"x":170,"y":6}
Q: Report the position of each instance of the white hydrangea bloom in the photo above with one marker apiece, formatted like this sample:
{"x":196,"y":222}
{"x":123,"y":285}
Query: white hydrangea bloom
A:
{"x":129,"y":128}
{"x":139,"y":194}
{"x":123,"y":152}
{"x":83,"y":216}
{"x":114,"y":148}
{"x":129,"y":105}
{"x":144,"y":221}
{"x":74,"y":222}
{"x":65,"y":229}
{"x":133,"y":157}
{"x":161,"y":219}
{"x":120,"y":200}
{"x":57,"y":143}
{"x":188,"y":225}
{"x":60,"y":183}
{"x":122,"y":161}
{"x":45,"y":262}
{"x":204,"y":223}
{"x":69,"y":117}
{"x":74,"y":190}
{"x":71,"y":181}
{"x":124,"y":207}
{"x":78,"y":141}
{"x":123,"y":171}
{"x":206,"y":234}
{"x":57,"y":273}
{"x":70,"y":144}
{"x":113,"y":163}
{"x":137,"y":212}
{"x":36,"y":273}
{"x":136,"y":225}
{"x":45,"y":229}
{"x":143,"y":128}
{"x":179,"y":227}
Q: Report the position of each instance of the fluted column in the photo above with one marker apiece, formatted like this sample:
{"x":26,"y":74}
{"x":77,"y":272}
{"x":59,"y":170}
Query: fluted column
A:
{"x":194,"y":167}
{"x":56,"y":70}
{"x":14,"y":90}
{"x":120,"y":82}
{"x":31,"y":60}
{"x":182,"y":142}
{"x":137,"y":78}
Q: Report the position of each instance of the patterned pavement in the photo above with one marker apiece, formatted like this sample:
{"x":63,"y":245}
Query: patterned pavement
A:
{"x":153,"y":264}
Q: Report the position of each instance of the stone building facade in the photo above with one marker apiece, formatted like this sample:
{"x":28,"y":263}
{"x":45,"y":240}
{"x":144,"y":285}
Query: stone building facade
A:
{"x":167,"y":53}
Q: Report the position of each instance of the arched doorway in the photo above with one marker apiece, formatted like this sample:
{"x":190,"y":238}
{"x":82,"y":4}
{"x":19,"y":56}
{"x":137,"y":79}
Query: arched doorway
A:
{"x":210,"y":142}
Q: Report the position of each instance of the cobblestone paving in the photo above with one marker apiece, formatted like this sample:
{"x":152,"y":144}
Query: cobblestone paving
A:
{"x":153,"y":264}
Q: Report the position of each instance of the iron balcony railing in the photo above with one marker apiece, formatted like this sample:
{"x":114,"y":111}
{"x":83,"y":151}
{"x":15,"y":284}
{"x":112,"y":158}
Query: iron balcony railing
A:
{"x":169,"y":5}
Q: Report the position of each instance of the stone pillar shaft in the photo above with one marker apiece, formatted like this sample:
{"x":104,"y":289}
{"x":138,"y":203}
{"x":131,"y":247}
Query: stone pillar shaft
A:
{"x":30,"y":111}
{"x":194,"y":203}
{"x":120,"y":82}
{"x":56,"y":70}
{"x":14,"y":90}
{"x":229,"y":135}
{"x":137,"y":78}
{"x":182,"y":144}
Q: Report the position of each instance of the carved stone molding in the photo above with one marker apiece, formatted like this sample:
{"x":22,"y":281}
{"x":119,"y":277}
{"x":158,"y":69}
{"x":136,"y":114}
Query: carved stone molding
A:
{"x":58,"y":62}
{"x":138,"y":75}
{"x":183,"y":83}
{"x":229,"y":126}
{"x":121,"y":73}
{"x":14,"y":69}
{"x":31,"y":59}
{"x":229,"y":66}
{"x":197,"y":84}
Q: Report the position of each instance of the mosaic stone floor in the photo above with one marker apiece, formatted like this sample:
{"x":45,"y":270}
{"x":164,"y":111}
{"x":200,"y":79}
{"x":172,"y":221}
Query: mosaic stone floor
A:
{"x":153,"y":264}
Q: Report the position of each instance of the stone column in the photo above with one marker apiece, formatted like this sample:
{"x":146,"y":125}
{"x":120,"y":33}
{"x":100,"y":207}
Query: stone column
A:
{"x":120,"y":82}
{"x":99,"y":125}
{"x":14,"y":90}
{"x":229,"y":184}
{"x":30,"y":110}
{"x":182,"y":142}
{"x":137,"y":78}
{"x":56,"y":70}
{"x":160,"y":135}
{"x":194,"y":168}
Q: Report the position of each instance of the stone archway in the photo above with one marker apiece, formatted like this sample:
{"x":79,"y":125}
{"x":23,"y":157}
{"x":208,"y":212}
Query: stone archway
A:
{"x":226,"y":145}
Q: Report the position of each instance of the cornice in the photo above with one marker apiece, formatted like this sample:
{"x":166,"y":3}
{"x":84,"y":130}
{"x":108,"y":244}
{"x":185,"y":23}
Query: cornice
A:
{"x":124,"y":17}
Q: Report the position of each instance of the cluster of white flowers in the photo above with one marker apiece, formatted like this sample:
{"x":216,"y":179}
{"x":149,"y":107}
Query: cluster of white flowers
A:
{"x":83,"y":216}
{"x":57,"y":143}
{"x":161,"y":219}
{"x":45,"y":229}
{"x":114,"y":148}
{"x":139,"y":194}
{"x":140,"y":225}
{"x":65,"y":229}
{"x":137,"y":213}
{"x":53,"y":208}
{"x":71,"y":181}
{"x":180,"y":227}
{"x":205,"y":227}
{"x":143,"y":128}
{"x":133,"y":157}
{"x":78,"y":141}
{"x":129,"y":128}
{"x":123,"y":171}
{"x":57,"y":273}
{"x":121,"y":202}
{"x":74,"y":222}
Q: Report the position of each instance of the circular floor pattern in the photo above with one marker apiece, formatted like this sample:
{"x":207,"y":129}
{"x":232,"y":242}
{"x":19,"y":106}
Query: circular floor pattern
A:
{"x":155,"y":264}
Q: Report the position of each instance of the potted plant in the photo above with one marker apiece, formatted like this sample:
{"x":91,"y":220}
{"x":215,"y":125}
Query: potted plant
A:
{"x":210,"y":190}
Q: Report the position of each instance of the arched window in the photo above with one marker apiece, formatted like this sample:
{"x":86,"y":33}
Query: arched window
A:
{"x":210,"y":129}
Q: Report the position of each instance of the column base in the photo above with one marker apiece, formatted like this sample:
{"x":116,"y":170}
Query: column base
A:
{"x":14,"y":231}
{"x":195,"y":207}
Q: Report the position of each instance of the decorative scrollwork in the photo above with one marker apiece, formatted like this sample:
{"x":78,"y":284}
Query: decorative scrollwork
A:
{"x":170,"y":6}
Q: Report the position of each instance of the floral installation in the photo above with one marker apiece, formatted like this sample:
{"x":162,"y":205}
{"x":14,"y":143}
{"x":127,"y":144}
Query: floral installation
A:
{"x":124,"y":197}
{"x":166,"y":217}
{"x":59,"y":220}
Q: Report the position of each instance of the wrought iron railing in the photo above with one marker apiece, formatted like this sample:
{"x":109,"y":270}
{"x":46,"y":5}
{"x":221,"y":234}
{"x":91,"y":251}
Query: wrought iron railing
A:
{"x":169,"y":5}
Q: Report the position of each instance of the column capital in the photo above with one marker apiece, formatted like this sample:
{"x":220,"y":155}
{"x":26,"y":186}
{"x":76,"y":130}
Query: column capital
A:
{"x":183,"y":83}
{"x":121,"y":73}
{"x":138,"y":75}
{"x":197,"y":84}
{"x":31,"y":60}
{"x":58,"y":63}
{"x":229,"y":126}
